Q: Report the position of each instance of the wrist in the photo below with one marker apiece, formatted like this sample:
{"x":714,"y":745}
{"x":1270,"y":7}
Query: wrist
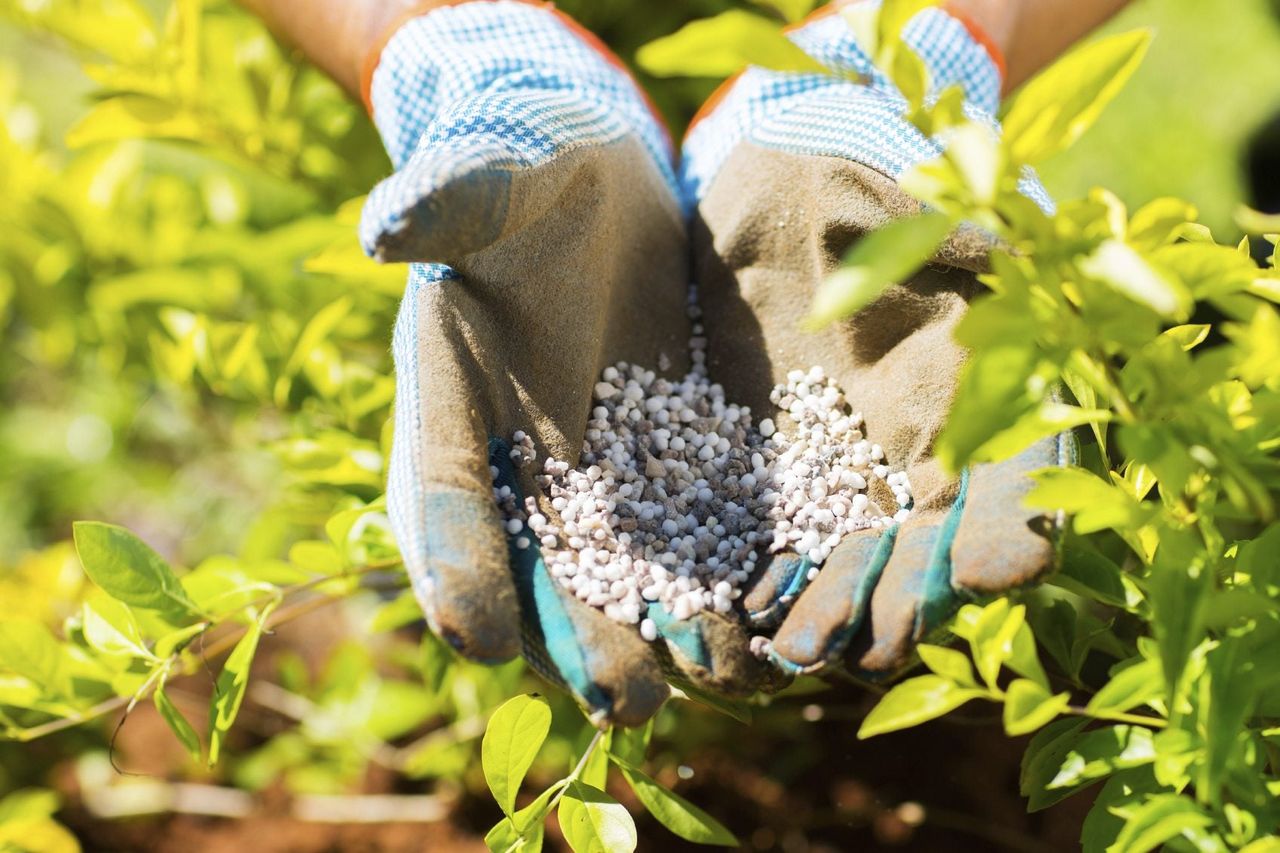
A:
{"x":992,"y":23}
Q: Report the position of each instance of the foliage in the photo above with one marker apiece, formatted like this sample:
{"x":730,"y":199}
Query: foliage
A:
{"x":1167,"y":342}
{"x":589,"y":818}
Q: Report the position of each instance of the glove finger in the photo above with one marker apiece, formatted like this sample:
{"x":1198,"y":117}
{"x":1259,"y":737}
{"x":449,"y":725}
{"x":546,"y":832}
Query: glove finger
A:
{"x":712,"y":652}
{"x":777,"y":582}
{"x":829,"y":613}
{"x":604,"y":664}
{"x":913,"y":597}
{"x":443,"y":204}
{"x":463,"y":189}
{"x":1000,"y":544}
{"x":440,"y":500}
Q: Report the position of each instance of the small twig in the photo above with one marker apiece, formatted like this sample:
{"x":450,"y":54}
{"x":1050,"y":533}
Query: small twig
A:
{"x":217,"y":648}
{"x":1116,"y":717}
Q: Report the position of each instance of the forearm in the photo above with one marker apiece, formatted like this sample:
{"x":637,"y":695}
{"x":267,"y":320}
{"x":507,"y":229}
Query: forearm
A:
{"x":1033,"y":33}
{"x":335,"y":35}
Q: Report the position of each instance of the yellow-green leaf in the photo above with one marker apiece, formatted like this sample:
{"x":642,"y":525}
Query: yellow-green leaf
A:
{"x":513,"y":737}
{"x":724,"y":45}
{"x":915,"y":701}
{"x":1062,"y":102}
{"x":878,"y":261}
{"x":594,"y":822}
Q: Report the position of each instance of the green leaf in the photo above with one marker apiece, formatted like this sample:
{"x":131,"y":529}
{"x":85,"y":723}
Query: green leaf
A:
{"x":992,"y":641}
{"x":1159,"y":222}
{"x":28,"y":804}
{"x":1190,"y":335}
{"x":729,"y":706}
{"x":595,"y":772}
{"x":594,"y":822}
{"x":1178,"y":589}
{"x":914,"y":701}
{"x":1271,"y":844}
{"x":110,"y":628}
{"x":881,"y":259}
{"x":1042,"y":758}
{"x":949,"y":663}
{"x":1124,"y":270}
{"x":723,"y":45}
{"x":29,"y":649}
{"x":676,"y":813}
{"x":1228,"y":695}
{"x":1099,"y":753}
{"x":1056,"y":108}
{"x":1088,"y":572}
{"x":1029,"y":706}
{"x":134,"y":117}
{"x":511,"y":741}
{"x":1050,"y":418}
{"x":437,"y":660}
{"x":176,"y":641}
{"x":171,"y":715}
{"x":504,"y":838}
{"x":130,"y":572}
{"x":996,"y":389}
{"x":1094,"y":503}
{"x":229,"y":689}
{"x":1161,"y":818}
{"x":524,"y":830}
{"x":628,"y":746}
{"x":1134,"y":685}
{"x":401,"y":611}
{"x":1123,"y":792}
{"x":1023,"y":658}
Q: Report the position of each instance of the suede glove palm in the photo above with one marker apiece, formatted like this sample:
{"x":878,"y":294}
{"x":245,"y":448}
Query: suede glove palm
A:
{"x":787,"y":172}
{"x":534,"y":177}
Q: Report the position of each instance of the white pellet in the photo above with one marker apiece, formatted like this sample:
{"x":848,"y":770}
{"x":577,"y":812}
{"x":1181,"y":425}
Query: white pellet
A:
{"x":677,"y":495}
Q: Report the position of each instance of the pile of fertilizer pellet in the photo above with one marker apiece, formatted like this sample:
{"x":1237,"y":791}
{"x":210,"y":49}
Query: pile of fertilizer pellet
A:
{"x":678,"y":492}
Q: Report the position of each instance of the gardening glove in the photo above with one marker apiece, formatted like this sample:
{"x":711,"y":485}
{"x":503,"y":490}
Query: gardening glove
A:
{"x":535,"y":198}
{"x":787,"y":172}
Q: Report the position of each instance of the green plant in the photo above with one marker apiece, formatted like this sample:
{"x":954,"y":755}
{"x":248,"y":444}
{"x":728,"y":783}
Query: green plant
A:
{"x":186,"y":309}
{"x":589,"y":818}
{"x":1168,"y":344}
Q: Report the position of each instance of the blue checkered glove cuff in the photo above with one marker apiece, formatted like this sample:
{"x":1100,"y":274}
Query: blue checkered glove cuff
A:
{"x":459,"y":67}
{"x":947,"y":46}
{"x":825,"y":115}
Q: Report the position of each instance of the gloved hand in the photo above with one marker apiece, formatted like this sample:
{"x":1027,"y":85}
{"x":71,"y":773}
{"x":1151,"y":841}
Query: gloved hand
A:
{"x":787,"y":171}
{"x":534,"y":178}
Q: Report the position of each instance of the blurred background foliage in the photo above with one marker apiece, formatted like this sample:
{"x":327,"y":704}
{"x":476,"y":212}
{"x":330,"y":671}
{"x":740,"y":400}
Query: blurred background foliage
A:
{"x":194,"y":347}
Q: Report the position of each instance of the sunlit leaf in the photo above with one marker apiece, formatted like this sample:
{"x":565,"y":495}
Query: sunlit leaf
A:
{"x":594,"y":822}
{"x":513,"y":737}
{"x":881,"y":259}
{"x":129,"y":571}
{"x":678,"y":814}
{"x":229,"y":689}
{"x":1055,"y":109}
{"x":181,"y":727}
{"x":723,"y":45}
{"x":1028,"y":706}
{"x":915,"y":701}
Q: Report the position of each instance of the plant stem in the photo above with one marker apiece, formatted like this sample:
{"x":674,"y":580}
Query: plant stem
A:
{"x":1117,"y":717}
{"x":577,"y":771}
{"x":223,"y":644}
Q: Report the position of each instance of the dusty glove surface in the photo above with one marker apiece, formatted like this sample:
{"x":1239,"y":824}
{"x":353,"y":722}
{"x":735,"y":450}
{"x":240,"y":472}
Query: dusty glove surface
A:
{"x":534,"y":194}
{"x":787,"y":172}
